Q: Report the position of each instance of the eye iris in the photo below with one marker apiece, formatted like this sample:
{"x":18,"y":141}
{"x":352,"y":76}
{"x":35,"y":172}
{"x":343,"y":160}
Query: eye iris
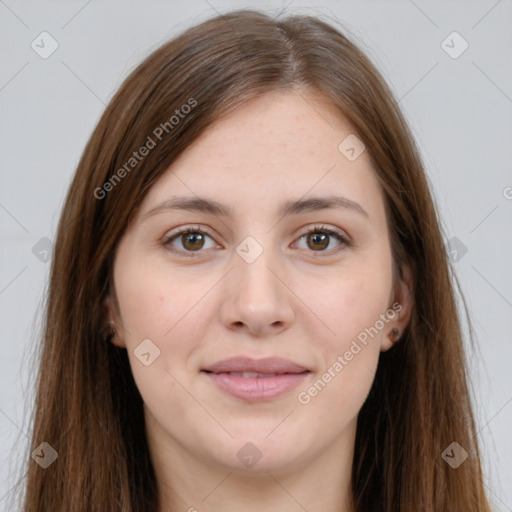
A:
{"x":321,"y":238}
{"x":190,"y":239}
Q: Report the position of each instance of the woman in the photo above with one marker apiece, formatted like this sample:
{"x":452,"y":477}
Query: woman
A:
{"x":250,"y":302}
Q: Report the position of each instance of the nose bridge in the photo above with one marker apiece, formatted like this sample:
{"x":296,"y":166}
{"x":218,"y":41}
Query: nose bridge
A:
{"x":252,"y":271}
{"x":257,"y":298}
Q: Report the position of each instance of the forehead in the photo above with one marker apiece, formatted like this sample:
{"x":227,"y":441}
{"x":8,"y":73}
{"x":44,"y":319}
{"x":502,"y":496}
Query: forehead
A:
{"x":278,"y":146}
{"x":275,"y":129}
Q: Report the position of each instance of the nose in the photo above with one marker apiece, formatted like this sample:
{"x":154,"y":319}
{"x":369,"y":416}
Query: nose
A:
{"x":258,"y":298}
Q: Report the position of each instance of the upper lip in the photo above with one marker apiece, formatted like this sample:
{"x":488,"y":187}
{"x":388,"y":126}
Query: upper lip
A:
{"x":247,"y":364}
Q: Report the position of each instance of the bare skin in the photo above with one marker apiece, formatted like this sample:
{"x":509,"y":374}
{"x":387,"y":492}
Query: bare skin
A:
{"x":304,"y":297}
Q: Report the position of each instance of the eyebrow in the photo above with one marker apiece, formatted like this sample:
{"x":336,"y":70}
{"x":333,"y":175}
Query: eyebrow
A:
{"x":292,"y":207}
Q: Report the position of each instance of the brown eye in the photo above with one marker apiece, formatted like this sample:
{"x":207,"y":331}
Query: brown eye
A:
{"x":192,"y":241}
{"x":318,"y":241}
{"x":188,"y":240}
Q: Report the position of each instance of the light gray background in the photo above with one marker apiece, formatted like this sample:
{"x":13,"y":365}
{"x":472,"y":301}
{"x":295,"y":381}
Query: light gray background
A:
{"x":460,"y":111}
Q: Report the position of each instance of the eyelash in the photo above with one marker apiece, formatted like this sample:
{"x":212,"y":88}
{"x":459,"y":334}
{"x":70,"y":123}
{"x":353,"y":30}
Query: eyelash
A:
{"x":344,"y":242}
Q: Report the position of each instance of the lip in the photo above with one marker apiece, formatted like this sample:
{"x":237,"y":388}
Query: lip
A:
{"x":285,"y":375}
{"x":247,"y":364}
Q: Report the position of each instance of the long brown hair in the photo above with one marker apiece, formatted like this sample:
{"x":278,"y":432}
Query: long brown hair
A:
{"x":87,"y":405}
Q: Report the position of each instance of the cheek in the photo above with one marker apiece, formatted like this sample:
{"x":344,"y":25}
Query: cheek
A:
{"x":147,"y":303}
{"x":351,"y":301}
{"x":173,"y":310}
{"x":351,"y":308}
{"x":159,"y":307}
{"x":153,"y":299}
{"x":349,"y":359}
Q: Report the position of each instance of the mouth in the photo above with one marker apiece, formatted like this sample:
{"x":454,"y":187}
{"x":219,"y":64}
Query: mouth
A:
{"x":250,"y":375}
{"x":256,"y":380}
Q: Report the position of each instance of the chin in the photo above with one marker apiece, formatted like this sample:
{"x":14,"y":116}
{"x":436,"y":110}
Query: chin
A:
{"x":255,"y":454}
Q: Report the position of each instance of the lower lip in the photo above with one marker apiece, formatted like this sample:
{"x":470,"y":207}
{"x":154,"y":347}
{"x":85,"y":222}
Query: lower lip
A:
{"x":256,"y":389}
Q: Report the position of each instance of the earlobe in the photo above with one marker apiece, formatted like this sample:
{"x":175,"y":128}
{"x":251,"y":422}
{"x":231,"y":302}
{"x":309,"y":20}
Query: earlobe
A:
{"x":112,"y":326}
{"x":402,"y":303}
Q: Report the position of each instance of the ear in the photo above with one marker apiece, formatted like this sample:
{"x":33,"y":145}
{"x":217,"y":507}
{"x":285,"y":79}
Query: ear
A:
{"x":112,"y":318}
{"x":401,"y":304}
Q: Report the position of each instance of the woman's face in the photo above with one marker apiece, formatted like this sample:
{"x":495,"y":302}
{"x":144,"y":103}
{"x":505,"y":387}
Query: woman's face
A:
{"x":287,"y":269}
